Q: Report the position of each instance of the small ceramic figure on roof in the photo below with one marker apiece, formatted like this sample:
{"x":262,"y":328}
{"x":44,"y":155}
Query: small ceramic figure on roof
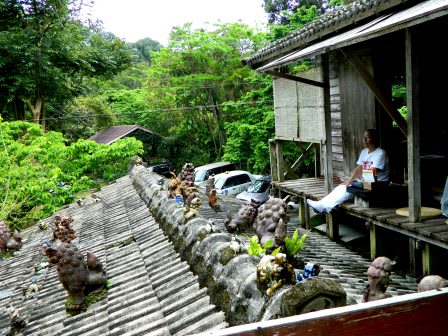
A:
{"x":273,"y":272}
{"x":63,"y":230}
{"x":378,"y":275}
{"x":213,"y":200}
{"x":244,"y":219}
{"x":9,"y":242}
{"x":430,"y":282}
{"x":77,"y":276}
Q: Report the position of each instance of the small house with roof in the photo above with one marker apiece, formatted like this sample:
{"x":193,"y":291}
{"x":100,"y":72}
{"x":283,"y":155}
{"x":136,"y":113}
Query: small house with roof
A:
{"x":152,"y":142}
{"x":370,"y":60}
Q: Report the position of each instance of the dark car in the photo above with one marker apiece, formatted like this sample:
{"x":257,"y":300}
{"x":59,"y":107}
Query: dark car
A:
{"x":258,"y":190}
{"x":163,"y":169}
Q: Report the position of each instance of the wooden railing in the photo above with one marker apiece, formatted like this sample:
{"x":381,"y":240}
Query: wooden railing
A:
{"x":419,"y":314}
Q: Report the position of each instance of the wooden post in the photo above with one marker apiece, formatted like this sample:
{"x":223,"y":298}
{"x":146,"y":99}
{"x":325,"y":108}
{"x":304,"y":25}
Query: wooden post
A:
{"x":373,"y":251}
{"x":332,"y":227}
{"x":415,"y":257}
{"x":328,"y":161}
{"x":273,"y":160}
{"x":304,"y":213}
{"x":280,"y":165}
{"x":426,"y":259}
{"x":317,"y":168}
{"x":412,"y":93}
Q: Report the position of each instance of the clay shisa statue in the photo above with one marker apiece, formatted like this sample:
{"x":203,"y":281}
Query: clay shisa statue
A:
{"x":9,"y":242}
{"x":274,"y":271}
{"x":210,"y":184}
{"x":63,"y":231}
{"x":192,"y":210}
{"x":187,"y":172}
{"x":213,"y":200}
{"x":430,"y":282}
{"x":190,"y":195}
{"x":174,"y":185}
{"x":271,"y":215}
{"x":378,"y":275}
{"x":244,"y":219}
{"x":77,"y":276}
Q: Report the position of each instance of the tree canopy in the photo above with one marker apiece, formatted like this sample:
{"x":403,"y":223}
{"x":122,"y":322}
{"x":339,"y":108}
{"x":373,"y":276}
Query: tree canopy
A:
{"x":46,"y":51}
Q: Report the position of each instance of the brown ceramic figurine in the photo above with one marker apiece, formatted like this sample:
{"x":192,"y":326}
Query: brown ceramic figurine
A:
{"x":213,"y":200}
{"x":269,"y":215}
{"x":378,"y":275}
{"x":273,"y":272}
{"x":63,"y":231}
{"x":187,"y":172}
{"x":9,"y":242}
{"x":77,"y":276}
{"x":244,"y":218}
{"x":430,"y":282}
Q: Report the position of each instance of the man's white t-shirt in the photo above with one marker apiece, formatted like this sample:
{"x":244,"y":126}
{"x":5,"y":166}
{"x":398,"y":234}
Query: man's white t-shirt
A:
{"x":377,"y":159}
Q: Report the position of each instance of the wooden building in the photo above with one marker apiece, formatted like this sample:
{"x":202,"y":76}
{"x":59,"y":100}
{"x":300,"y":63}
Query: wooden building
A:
{"x":361,"y":54}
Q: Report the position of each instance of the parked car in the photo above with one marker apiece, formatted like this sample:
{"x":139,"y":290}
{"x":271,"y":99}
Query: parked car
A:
{"x":164,"y":168}
{"x":202,"y":173}
{"x":234,"y":182}
{"x":259,"y":190}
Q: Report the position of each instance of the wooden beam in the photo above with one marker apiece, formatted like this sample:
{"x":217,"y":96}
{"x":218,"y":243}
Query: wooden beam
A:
{"x":305,"y":154}
{"x":359,"y":66}
{"x":413,"y":102}
{"x":297,"y":78}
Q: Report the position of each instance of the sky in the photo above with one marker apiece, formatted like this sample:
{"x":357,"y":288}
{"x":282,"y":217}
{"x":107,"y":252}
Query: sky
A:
{"x":132,"y":20}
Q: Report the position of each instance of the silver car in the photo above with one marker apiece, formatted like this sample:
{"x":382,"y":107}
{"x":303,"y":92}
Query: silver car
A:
{"x":259,"y":190}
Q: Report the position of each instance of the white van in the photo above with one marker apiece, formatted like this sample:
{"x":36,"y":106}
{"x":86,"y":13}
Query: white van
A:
{"x":234,"y":182}
{"x":202,"y":173}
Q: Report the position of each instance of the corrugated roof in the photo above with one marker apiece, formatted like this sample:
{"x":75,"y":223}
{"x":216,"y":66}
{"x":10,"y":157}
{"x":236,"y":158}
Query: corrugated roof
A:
{"x":112,"y":134}
{"x":334,"y":22}
{"x":152,"y":291}
{"x":385,"y":24}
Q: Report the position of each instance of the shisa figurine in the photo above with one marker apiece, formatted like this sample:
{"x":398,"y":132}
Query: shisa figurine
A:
{"x":430,"y":282}
{"x":269,"y":217}
{"x":213,"y":200}
{"x":378,"y":275}
{"x":9,"y":242}
{"x":210,"y":184}
{"x":190,"y":195}
{"x":77,"y":276}
{"x":187,"y":172}
{"x":173,"y":185}
{"x":192,"y":211}
{"x":274,"y":271}
{"x":244,"y":219}
{"x":63,"y":231}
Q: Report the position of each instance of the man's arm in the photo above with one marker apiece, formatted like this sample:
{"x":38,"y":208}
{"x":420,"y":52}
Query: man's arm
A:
{"x":356,"y":173}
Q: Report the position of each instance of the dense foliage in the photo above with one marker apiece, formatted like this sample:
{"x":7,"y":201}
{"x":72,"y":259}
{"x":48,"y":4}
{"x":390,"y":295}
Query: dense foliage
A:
{"x":74,"y":78}
{"x":39,"y":173}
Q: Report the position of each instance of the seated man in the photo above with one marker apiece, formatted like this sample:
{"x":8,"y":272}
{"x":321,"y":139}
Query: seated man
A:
{"x":372,"y":160}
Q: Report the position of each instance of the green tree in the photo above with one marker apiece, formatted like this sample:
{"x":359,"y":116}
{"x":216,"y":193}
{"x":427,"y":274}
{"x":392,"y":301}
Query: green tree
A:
{"x":192,"y":80}
{"x":144,"y":47}
{"x":39,"y":173}
{"x":46,"y":51}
